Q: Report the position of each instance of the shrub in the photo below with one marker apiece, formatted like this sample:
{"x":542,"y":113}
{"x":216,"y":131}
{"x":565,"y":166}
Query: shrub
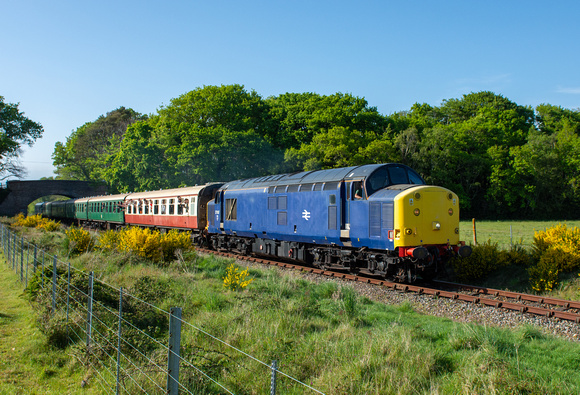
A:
{"x":555,"y":250}
{"x":109,"y":240}
{"x":146,"y":243}
{"x":236,"y":279}
{"x":36,"y":221}
{"x":487,"y":258}
{"x":78,"y":241}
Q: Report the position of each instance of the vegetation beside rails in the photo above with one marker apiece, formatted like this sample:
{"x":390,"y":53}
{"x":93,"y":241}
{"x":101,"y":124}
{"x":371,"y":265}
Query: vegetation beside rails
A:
{"x":28,"y":363}
{"x":545,"y":259}
{"x":324,"y":334}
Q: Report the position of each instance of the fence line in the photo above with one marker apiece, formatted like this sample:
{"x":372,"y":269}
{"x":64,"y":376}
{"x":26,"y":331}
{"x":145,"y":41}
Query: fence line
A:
{"x":109,"y":326}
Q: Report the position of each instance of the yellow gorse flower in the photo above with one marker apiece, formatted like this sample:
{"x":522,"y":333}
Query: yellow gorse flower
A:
{"x":236,"y":279}
{"x":36,"y":221}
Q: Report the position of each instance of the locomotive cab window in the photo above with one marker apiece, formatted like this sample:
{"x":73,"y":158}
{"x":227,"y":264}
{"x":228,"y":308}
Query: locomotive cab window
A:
{"x":357,"y":190}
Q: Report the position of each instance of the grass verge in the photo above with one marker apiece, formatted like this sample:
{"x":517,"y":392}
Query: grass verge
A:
{"x":27,"y":364}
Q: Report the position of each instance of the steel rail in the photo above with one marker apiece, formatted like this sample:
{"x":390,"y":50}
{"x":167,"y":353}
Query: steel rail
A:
{"x":484,"y":296}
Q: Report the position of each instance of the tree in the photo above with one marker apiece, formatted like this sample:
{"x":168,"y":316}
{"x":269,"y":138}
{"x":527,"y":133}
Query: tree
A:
{"x":89,"y":150}
{"x":551,"y":119}
{"x":214,"y":133}
{"x":15,"y":130}
{"x":307,"y":124}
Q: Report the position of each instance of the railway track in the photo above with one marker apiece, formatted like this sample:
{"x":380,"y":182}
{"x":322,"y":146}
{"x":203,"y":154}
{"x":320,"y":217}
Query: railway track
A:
{"x":518,"y":302}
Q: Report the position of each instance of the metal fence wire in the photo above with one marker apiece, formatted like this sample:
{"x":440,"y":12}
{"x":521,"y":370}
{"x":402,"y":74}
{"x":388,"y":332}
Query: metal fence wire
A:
{"x":130,"y":344}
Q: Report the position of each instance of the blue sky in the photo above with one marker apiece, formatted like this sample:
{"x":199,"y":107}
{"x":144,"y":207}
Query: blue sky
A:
{"x":68,"y":62}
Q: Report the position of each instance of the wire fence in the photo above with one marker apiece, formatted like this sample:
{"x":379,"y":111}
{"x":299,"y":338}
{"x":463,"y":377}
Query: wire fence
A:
{"x":131,"y":345}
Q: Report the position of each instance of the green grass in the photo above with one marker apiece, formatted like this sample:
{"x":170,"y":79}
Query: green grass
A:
{"x":324,"y":335}
{"x":522,"y":232}
{"x":27,"y":364}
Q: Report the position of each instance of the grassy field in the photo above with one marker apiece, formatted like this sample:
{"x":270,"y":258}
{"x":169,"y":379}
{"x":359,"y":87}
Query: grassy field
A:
{"x":506,"y":233}
{"x":27,"y":364}
{"x":323,"y":334}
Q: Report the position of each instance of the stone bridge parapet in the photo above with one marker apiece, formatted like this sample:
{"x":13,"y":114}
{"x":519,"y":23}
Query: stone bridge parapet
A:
{"x":17,"y":195}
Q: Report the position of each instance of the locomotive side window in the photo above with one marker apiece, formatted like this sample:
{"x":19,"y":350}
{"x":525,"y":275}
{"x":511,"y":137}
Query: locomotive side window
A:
{"x":231,"y":209}
{"x":332,"y":200}
{"x":331,"y":186}
{"x":318,"y":186}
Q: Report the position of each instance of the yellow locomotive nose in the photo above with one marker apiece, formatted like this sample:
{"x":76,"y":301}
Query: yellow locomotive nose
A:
{"x":426,"y":215}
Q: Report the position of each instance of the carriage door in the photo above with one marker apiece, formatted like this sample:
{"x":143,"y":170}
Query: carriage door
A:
{"x":345,"y":204}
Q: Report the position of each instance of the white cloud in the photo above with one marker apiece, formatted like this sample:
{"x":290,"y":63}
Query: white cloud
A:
{"x":572,"y":91}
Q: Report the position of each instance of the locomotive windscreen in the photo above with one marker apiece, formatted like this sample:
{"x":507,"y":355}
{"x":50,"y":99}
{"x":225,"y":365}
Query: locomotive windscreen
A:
{"x":391,"y":175}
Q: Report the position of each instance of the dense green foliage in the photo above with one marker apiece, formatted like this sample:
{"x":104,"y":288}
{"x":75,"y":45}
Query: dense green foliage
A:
{"x":503,"y":159}
{"x":15,"y":131}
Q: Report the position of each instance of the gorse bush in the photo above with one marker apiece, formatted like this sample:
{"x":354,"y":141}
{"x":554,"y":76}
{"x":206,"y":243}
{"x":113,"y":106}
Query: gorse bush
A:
{"x":78,"y":241}
{"x":555,"y":250}
{"x":235,"y":278}
{"x":36,"y":221}
{"x":146,"y":243}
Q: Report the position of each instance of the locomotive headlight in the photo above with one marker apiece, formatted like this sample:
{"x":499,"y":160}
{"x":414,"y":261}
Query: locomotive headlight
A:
{"x":408,"y":231}
{"x":450,"y":211}
{"x":436,"y":225}
{"x":456,"y":231}
{"x":417,"y":212}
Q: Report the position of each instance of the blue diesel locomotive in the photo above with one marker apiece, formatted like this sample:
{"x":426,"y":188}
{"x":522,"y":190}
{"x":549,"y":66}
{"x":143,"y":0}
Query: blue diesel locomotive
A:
{"x":381,"y":219}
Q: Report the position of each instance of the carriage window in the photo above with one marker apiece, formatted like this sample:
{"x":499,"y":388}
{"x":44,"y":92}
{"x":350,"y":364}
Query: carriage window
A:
{"x":171,"y":207}
{"x":163,"y":206}
{"x":194,"y":206}
{"x":180,"y":204}
{"x":146,"y":207}
{"x":156,"y":207}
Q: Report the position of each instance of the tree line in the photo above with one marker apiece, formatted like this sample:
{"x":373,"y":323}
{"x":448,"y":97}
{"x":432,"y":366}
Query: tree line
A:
{"x":504,"y":160}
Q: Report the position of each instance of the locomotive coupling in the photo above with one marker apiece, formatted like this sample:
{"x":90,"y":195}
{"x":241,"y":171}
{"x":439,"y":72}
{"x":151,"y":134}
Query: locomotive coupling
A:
{"x":464,"y":251}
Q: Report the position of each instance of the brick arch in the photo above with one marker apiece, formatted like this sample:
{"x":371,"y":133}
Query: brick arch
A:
{"x":17,"y":195}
